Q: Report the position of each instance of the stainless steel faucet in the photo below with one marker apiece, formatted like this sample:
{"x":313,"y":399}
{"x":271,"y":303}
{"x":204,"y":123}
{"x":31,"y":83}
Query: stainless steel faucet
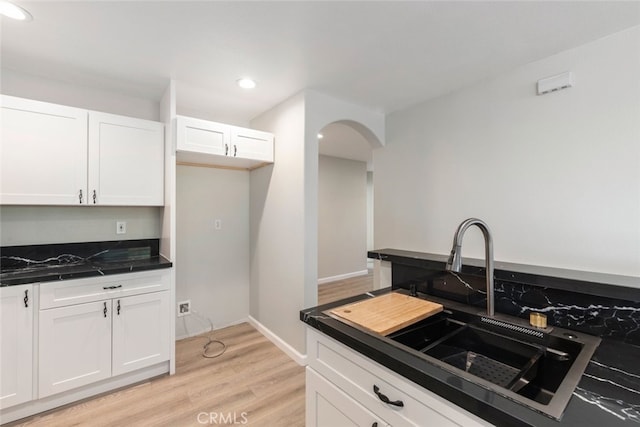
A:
{"x":455,"y":259}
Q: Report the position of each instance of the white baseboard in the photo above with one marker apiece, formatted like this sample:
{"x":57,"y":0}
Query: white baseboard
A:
{"x":299,"y":358}
{"x":341,"y":277}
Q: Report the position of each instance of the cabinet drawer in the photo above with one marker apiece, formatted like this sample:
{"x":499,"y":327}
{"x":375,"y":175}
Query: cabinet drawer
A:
{"x":328,"y":406}
{"x":357,"y":376}
{"x":69,"y":292}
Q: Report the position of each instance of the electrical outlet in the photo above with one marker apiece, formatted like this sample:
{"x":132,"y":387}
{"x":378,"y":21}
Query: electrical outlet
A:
{"x":217,"y":224}
{"x":121,"y":227}
{"x":184,"y":308}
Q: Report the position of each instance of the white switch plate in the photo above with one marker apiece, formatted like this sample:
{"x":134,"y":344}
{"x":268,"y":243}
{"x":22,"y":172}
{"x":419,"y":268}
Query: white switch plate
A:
{"x":121,"y":227}
{"x":217,"y":224}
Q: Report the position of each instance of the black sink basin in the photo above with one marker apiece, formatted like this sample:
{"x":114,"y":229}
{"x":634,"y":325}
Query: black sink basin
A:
{"x":539,"y":369}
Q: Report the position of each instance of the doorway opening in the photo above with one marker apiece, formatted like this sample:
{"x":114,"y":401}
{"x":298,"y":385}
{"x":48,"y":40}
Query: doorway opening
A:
{"x":345,"y":211}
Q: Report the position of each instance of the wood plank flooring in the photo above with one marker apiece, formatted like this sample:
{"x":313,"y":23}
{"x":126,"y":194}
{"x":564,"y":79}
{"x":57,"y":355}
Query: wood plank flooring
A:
{"x":253,"y":383}
{"x":334,"y":291}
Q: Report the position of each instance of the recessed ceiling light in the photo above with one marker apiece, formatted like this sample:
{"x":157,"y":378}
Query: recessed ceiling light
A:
{"x":13,"y":11}
{"x":320,"y":136}
{"x":246,"y":83}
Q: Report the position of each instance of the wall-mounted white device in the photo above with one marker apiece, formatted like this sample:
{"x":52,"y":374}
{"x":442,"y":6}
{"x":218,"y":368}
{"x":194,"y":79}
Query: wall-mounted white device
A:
{"x":554,"y":83}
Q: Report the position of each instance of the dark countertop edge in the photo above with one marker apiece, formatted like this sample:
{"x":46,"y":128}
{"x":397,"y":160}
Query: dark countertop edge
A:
{"x":403,"y":362}
{"x":396,"y":360}
{"x":592,"y":283}
{"x":84,"y":272}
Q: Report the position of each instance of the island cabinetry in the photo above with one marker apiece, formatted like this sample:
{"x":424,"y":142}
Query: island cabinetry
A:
{"x":100,"y":332}
{"x":328,"y":406}
{"x":16,"y":345}
{"x":57,"y":155}
{"x":387,"y":395}
{"x":203,"y":142}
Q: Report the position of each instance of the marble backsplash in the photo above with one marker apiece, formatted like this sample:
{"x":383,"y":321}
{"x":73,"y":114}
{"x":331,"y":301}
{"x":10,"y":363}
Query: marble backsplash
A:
{"x":598,"y":315}
{"x":68,"y":254}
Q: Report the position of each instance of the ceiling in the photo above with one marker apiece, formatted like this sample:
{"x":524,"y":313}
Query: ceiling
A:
{"x":385,"y":55}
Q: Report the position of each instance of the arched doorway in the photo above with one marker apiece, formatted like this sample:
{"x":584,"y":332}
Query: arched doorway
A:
{"x":345,"y":209}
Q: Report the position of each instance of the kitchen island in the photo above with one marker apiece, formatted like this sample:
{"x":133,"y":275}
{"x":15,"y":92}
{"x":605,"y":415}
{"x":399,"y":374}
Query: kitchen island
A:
{"x":607,"y":394}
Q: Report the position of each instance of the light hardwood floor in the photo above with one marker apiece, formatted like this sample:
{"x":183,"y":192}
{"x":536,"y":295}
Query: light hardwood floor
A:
{"x":252,"y":377}
{"x":334,"y":291}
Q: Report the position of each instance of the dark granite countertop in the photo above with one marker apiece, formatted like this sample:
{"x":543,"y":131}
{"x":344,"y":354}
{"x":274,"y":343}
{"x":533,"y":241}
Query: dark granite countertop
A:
{"x":46,"y":263}
{"x":608,"y":393}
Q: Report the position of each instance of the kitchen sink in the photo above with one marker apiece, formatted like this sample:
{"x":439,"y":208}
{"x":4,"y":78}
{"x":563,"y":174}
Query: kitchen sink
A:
{"x":537,"y":368}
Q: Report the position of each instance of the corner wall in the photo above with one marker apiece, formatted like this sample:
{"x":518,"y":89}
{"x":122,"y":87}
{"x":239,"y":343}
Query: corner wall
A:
{"x":284,"y":211}
{"x":556,"y":177}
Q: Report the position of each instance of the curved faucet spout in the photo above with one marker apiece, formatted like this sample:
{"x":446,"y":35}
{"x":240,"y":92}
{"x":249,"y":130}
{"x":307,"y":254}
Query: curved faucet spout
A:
{"x":455,"y":259}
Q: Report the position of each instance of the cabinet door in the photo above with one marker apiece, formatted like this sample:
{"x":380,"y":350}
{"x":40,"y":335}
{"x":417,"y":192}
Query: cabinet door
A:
{"x":16,"y":345}
{"x":43,"y":153}
{"x":202,"y":136}
{"x":75,"y":346}
{"x":126,"y":161}
{"x":251,"y":144}
{"x":140,"y":331}
{"x":328,"y":406}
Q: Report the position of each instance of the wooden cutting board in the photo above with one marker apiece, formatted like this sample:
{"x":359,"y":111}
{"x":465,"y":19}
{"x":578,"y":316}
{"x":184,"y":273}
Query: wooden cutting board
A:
{"x":387,"y":313}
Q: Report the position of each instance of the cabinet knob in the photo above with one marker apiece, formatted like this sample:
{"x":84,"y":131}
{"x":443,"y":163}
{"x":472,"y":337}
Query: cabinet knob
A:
{"x":26,"y":298}
{"x":226,"y":149}
{"x":235,"y":150}
{"x":118,"y":307}
{"x":80,"y":196}
{"x":385,"y":399}
{"x":94,"y":197}
{"x":105,"y":310}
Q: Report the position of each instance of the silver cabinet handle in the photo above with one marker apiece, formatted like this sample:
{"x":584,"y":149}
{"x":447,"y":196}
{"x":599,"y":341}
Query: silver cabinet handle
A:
{"x":226,"y":149}
{"x":80,"y":196}
{"x":105,"y":310}
{"x":111,"y":287}
{"x":235,"y":150}
{"x":26,"y":298}
{"x":94,"y":197}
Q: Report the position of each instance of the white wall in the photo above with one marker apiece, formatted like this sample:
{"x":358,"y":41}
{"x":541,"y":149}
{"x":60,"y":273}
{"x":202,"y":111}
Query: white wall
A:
{"x":278,"y":226}
{"x":556,"y":177}
{"x":284,"y":210}
{"x":212,"y":266}
{"x":37,"y":225}
{"x":58,"y":92}
{"x":342,"y":217}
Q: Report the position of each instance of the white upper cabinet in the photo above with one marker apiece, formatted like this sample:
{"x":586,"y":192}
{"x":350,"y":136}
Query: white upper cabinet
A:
{"x":43,"y":153}
{"x":252,"y":144}
{"x":210,"y":143}
{"x":126,"y":160}
{"x":56,"y":155}
{"x":201,"y":136}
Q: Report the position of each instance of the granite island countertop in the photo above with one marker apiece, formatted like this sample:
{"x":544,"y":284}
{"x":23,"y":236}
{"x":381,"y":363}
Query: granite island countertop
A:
{"x":46,"y":263}
{"x":608,"y":393}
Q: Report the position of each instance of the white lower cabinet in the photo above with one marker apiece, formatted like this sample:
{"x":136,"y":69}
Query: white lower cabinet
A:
{"x":74,"y":346}
{"x":140,"y":331}
{"x":98,"y":328}
{"x":375,"y":393}
{"x":328,"y":406}
{"x":16,"y":345}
